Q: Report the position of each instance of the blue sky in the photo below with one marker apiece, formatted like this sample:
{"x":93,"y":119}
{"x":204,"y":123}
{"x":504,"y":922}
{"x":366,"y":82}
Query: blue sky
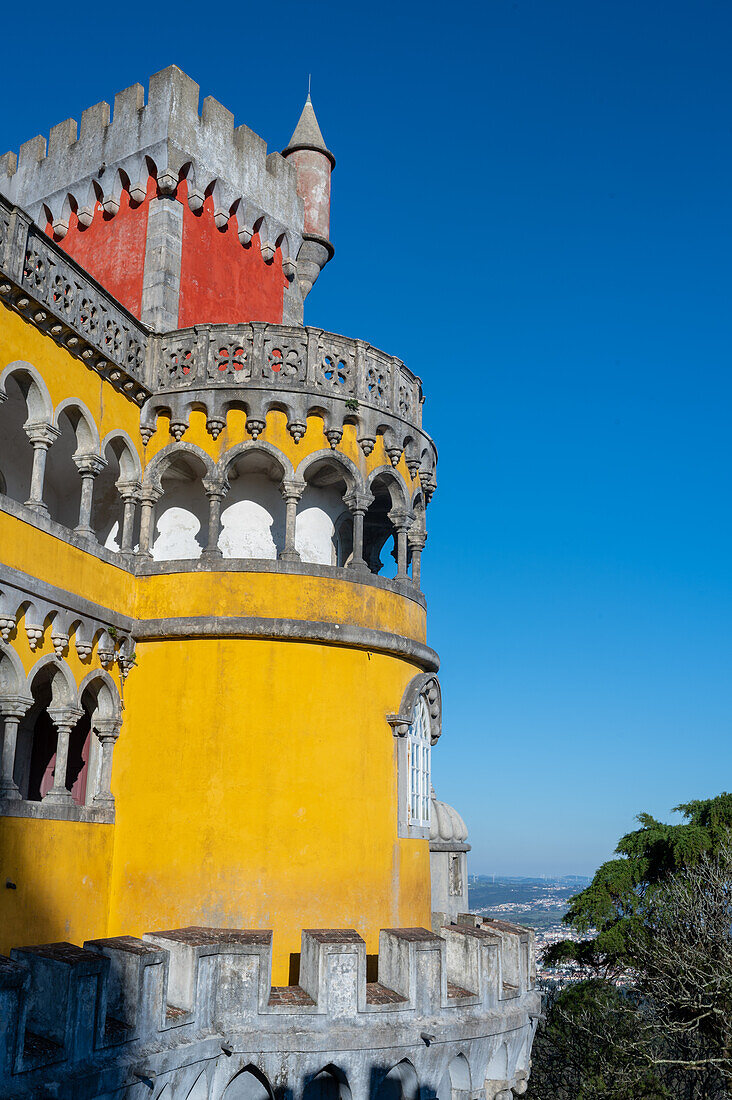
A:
{"x":532,"y":207}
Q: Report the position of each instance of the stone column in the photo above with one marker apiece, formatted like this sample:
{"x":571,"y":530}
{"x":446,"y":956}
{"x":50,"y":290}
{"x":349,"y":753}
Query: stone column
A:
{"x":64,"y":721}
{"x":291,"y":494}
{"x":107,"y":732}
{"x":41,"y":435}
{"x":417,"y":540}
{"x":358,"y":505}
{"x":215,"y":491}
{"x":402,"y":519}
{"x":130,"y":493}
{"x":11,"y":710}
{"x":89,"y":466}
{"x":163,"y":251}
{"x":148,"y":499}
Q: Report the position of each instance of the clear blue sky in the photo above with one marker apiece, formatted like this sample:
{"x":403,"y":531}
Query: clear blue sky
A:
{"x":532,"y":207}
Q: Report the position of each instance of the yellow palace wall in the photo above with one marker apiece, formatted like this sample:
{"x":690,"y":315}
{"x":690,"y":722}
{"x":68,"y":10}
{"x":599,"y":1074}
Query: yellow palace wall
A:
{"x":255,"y":780}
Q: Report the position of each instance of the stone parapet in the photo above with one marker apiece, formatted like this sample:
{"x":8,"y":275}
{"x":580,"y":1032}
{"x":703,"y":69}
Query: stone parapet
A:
{"x":59,"y":297}
{"x":165,"y":137}
{"x":97,"y":1020}
{"x":304,"y":371}
{"x":258,"y":366}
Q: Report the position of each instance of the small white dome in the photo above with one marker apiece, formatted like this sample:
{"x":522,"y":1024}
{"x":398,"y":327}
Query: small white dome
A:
{"x":446,"y":824}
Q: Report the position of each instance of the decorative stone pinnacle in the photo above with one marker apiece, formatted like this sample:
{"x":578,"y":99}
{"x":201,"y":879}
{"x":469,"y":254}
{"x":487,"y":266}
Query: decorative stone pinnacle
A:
{"x":307,"y":134}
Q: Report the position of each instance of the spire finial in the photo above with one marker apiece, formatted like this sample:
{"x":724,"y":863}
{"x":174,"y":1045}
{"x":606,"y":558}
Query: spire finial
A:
{"x":307,"y":132}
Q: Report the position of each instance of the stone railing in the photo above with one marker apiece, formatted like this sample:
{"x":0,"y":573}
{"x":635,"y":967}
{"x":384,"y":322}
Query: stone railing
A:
{"x":120,"y":1012}
{"x":287,"y":358}
{"x":213,"y":365}
{"x":51,"y":290}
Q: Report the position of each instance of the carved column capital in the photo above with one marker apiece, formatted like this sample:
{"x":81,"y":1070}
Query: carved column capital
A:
{"x":65,"y":716}
{"x":215,"y":489}
{"x":417,"y":537}
{"x":358,"y":503}
{"x":402,"y":518}
{"x":89,"y":465}
{"x":150,"y":494}
{"x":129,"y":490}
{"x":399,"y":724}
{"x":15,"y":706}
{"x":41,"y":434}
{"x":107,"y":729}
{"x":292,"y":491}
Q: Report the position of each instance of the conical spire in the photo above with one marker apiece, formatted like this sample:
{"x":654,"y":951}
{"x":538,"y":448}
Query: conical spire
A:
{"x":307,"y":134}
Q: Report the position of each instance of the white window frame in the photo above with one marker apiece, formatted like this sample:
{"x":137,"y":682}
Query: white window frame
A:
{"x":419,"y":752}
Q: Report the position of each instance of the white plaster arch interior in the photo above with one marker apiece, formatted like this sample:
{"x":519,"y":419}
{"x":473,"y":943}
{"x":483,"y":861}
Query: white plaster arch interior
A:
{"x":323,"y":527}
{"x":181,"y":514}
{"x":253,"y":510}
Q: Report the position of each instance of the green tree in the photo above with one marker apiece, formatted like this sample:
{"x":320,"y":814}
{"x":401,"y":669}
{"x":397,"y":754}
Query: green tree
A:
{"x":655,"y":1019}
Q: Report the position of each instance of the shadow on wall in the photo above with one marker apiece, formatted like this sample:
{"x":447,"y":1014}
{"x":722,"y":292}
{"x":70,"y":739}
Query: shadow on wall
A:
{"x":57,"y":742}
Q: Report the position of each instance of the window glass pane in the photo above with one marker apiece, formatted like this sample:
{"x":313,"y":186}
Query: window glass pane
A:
{"x":419,"y":764}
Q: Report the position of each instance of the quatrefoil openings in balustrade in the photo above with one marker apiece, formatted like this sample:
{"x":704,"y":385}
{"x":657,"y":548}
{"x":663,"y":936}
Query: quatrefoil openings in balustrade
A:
{"x":282,"y":365}
{"x":62,"y":295}
{"x":36,"y":271}
{"x":405,"y":401}
{"x":335,"y":372}
{"x":88,"y":318}
{"x":229,"y":363}
{"x":376,"y":385}
{"x":112,"y":340}
{"x":180,"y":364}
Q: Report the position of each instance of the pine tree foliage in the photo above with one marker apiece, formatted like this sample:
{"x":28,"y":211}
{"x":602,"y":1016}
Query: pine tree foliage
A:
{"x":611,"y":910}
{"x":656,"y":1020}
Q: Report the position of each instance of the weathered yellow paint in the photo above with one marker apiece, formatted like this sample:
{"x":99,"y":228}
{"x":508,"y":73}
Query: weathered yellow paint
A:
{"x":273,"y":596}
{"x":23,"y":546}
{"x":256,"y":787}
{"x":61,"y":870}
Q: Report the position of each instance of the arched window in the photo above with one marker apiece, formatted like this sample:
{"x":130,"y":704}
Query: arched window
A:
{"x":418,"y":743}
{"x":416,"y":726}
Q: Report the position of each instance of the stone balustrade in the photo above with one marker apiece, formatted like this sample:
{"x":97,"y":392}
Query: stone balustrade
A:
{"x":123,"y":1010}
{"x":262,"y":366}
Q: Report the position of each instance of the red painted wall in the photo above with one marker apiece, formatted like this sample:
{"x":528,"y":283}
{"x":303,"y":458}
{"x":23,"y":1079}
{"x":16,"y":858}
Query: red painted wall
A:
{"x":112,"y":248}
{"x":221,"y":281}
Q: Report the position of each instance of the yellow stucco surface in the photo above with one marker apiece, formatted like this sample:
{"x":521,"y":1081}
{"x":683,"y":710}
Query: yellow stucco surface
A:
{"x":256,"y":787}
{"x":61,"y":871}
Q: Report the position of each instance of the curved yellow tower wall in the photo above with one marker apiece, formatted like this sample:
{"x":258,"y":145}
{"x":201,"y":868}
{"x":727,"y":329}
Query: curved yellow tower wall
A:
{"x":255,"y":778}
{"x":270,"y":805}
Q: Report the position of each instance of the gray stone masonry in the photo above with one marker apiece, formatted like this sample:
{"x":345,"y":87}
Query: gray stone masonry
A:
{"x":125,"y":1018}
{"x":258,"y":366}
{"x":166,"y":137}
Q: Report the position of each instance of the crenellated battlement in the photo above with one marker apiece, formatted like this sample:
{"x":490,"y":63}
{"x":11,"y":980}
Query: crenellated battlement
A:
{"x":114,"y":150}
{"x":125,"y":1009}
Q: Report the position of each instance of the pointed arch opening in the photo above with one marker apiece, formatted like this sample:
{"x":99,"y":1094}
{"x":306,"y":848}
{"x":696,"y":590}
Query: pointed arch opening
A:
{"x":253,"y":511}
{"x":53,"y":692}
{"x":330,"y":1083}
{"x":118,"y":481}
{"x":324,"y":525}
{"x":250,"y":1084}
{"x":26,"y":402}
{"x":400,"y":1083}
{"x":181,"y":514}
